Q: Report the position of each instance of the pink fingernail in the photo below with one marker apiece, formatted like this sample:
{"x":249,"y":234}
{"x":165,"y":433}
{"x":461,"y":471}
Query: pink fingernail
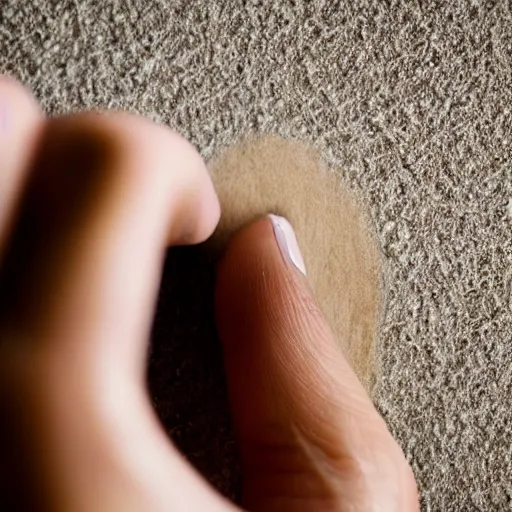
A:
{"x":287,"y":241}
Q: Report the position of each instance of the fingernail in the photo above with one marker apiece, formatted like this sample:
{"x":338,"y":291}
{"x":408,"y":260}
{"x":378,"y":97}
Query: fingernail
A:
{"x":287,"y":241}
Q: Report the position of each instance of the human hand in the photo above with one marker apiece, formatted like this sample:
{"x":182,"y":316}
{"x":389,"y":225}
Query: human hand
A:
{"x":88,"y":205}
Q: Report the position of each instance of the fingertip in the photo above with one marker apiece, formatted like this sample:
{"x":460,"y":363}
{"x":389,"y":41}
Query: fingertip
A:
{"x":197,"y":204}
{"x":265,"y":253}
{"x":251,"y":261}
{"x":209,"y":212}
{"x":18,"y":107}
{"x":198,"y":199}
{"x":10,"y":81}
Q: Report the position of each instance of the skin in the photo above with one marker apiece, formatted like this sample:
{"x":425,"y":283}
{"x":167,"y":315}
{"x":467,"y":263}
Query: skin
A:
{"x":88,"y":205}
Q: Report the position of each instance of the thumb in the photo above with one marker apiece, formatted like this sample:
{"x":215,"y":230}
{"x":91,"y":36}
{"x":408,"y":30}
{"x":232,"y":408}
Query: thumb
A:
{"x":310,"y":437}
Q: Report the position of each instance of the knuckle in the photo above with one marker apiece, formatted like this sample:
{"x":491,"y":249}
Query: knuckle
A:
{"x":84,"y":158}
{"x":115,"y":145}
{"x":78,"y":144}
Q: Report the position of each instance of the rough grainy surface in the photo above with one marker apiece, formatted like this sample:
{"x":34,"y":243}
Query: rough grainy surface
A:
{"x":413,"y":100}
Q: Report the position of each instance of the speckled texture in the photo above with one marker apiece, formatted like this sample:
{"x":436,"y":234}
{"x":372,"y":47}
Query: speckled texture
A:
{"x":413,"y":100}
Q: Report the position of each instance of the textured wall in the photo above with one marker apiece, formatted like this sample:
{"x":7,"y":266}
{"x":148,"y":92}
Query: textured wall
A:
{"x":413,"y":99}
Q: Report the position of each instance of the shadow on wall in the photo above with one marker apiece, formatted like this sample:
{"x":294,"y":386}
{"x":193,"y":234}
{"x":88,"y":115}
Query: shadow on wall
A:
{"x":186,"y":375}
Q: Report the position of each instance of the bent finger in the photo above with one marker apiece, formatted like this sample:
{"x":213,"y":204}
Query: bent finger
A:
{"x":105,"y":196}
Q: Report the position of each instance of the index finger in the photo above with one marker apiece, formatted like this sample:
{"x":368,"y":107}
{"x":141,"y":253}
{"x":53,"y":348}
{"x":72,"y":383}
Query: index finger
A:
{"x":104,"y":196}
{"x":102,"y":199}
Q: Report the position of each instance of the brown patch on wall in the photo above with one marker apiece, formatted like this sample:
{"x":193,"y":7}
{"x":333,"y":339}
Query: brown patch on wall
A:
{"x":271,"y":174}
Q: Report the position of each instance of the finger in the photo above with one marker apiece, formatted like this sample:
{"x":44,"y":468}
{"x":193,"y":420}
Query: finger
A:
{"x":310,"y":436}
{"x":20,"y":120}
{"x":105,"y":197}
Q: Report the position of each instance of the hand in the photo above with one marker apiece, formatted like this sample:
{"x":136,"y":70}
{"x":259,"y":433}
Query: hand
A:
{"x":88,"y":205}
